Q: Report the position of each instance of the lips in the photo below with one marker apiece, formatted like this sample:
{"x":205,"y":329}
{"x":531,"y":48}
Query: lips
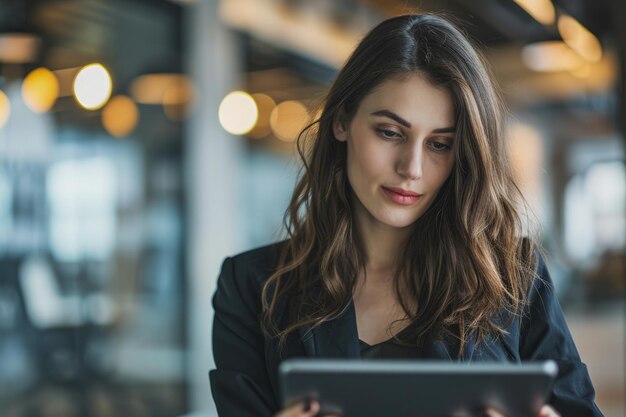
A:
{"x":402,"y":191}
{"x":401,"y":196}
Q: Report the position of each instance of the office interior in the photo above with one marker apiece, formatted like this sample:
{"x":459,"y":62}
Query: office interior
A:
{"x":142,"y":141}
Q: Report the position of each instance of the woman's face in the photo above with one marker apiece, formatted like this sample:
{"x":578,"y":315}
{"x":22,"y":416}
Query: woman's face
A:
{"x":399,"y":149}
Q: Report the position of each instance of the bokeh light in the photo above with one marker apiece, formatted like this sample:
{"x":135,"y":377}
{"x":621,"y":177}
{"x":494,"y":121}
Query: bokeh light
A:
{"x":582,"y":72}
{"x":550,"y":56}
{"x":162,"y":88}
{"x":238,"y":113}
{"x":525,"y":151}
{"x":577,"y":37}
{"x":92,"y":86}
{"x":17,"y":48}
{"x":265,"y":105}
{"x":40,"y":90}
{"x":288,"y":119}
{"x":120,"y":116}
{"x":177,"y":98}
{"x":5,"y":108}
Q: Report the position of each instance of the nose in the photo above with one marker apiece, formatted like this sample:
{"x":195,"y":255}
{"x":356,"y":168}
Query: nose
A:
{"x":410,"y":162}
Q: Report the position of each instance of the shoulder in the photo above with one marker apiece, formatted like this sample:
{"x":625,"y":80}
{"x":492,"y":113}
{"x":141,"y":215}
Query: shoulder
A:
{"x":542,"y":284}
{"x":255,"y":264}
{"x":543,"y":315}
{"x":242,"y":277}
{"x":536,"y":277}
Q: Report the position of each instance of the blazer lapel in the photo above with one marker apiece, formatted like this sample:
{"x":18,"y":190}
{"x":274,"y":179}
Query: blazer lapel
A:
{"x":339,"y":339}
{"x":493,"y":349}
{"x":502,"y":347}
{"x":336,"y":338}
{"x":437,"y":349}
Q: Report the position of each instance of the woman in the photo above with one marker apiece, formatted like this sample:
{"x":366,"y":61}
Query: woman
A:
{"x":404,"y":235}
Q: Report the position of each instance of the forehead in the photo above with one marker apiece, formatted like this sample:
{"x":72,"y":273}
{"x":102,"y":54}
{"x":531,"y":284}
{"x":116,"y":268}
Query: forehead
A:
{"x":413,"y":97}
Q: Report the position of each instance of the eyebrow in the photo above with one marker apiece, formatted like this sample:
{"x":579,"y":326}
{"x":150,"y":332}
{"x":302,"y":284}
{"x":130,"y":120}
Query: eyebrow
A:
{"x":392,"y":115}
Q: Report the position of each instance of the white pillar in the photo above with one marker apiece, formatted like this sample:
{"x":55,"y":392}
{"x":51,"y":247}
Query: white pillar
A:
{"x":213,"y":161}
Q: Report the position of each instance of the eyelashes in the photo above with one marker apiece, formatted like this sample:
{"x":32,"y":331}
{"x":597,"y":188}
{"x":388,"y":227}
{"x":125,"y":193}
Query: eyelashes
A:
{"x":440,"y":146}
{"x":388,"y":134}
{"x":392,"y":135}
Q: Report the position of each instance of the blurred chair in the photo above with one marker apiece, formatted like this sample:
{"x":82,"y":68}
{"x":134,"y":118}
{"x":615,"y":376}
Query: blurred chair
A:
{"x":64,"y":326}
{"x":17,"y":369}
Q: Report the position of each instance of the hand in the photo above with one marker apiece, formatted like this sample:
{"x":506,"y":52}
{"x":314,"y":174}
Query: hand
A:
{"x":306,"y":408}
{"x":546,"y":411}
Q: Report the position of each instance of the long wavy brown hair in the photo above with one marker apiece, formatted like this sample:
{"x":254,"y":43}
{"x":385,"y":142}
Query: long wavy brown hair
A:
{"x":466,"y":261}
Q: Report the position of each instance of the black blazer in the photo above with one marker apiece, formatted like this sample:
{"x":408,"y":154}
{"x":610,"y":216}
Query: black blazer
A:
{"x":245,"y":383}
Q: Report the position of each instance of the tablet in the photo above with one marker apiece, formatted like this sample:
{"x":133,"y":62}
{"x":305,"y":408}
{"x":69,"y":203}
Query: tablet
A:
{"x":399,"y":388}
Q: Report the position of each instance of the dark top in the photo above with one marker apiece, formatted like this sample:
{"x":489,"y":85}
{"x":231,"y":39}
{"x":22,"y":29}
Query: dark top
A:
{"x":245,"y":383}
{"x":388,"y":350}
{"x":391,"y":348}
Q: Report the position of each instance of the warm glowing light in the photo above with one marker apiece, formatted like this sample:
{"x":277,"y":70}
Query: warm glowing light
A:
{"x":288,"y":119}
{"x":19,"y":48}
{"x":92,"y":86}
{"x":177,"y":98}
{"x":5,"y":109}
{"x":550,"y":56}
{"x":525,"y":151}
{"x":178,"y":91}
{"x":577,"y":37}
{"x":175,"y":92}
{"x":238,"y":113}
{"x":120,"y":116}
{"x":582,"y":72}
{"x":162,"y":88}
{"x":265,"y":104}
{"x":541,"y":10}
{"x":40,"y":90}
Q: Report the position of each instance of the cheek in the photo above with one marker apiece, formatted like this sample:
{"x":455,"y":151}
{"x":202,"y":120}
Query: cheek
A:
{"x":441,"y":168}
{"x":371,"y":162}
{"x":367,"y":159}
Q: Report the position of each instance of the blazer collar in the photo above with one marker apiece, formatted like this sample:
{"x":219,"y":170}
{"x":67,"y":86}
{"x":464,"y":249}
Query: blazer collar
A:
{"x":336,"y":338}
{"x":339,"y":338}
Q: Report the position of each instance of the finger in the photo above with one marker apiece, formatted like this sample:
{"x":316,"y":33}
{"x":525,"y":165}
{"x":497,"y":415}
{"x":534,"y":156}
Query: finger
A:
{"x":310,"y":408}
{"x":548,"y":411}
{"x":492,"y":412}
{"x":315,"y":408}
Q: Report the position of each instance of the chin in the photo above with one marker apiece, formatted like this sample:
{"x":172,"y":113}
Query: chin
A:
{"x":399,"y":222}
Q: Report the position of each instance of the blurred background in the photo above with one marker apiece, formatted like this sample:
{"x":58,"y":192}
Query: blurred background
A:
{"x":142,"y":141}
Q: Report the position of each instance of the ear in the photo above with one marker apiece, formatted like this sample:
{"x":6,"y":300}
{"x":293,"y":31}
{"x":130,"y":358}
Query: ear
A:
{"x":339,"y":130}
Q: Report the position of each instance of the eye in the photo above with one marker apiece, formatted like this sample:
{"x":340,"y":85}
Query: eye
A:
{"x":388,"y":134}
{"x":439,"y":146}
